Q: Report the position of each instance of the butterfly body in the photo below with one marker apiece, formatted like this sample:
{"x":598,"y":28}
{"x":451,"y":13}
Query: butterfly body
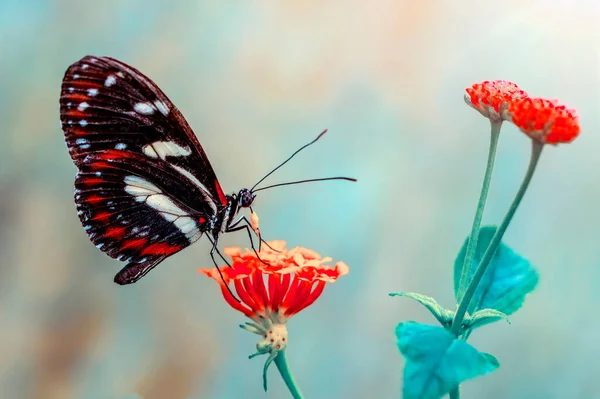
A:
{"x":145,"y":188}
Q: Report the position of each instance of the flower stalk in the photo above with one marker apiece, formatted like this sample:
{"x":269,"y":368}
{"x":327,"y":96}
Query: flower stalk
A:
{"x":536,"y":151}
{"x":455,"y":394}
{"x":286,"y":375}
{"x":474,"y":236}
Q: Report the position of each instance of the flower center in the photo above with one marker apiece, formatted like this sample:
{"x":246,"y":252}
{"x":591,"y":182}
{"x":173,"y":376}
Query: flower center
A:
{"x":275,"y":339}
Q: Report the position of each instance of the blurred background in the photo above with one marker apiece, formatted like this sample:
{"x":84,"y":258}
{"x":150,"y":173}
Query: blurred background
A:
{"x":256,"y":80}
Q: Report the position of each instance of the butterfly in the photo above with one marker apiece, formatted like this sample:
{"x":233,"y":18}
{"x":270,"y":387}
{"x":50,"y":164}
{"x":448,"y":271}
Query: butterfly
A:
{"x":145,"y":188}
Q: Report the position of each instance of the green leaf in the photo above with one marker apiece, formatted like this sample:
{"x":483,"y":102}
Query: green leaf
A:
{"x":444,"y":316}
{"x":506,"y":282}
{"x":436,"y":361}
{"x":483,"y":317}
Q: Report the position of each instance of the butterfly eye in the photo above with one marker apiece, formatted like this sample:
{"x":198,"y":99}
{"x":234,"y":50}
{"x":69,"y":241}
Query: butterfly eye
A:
{"x":246,"y":198}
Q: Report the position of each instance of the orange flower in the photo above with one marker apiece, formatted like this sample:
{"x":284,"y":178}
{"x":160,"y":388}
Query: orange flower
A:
{"x":546,"y":121}
{"x":271,"y":292}
{"x":492,"y":98}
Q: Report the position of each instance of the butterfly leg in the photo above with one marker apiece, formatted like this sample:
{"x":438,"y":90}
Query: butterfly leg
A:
{"x":214,"y":249}
{"x":235,"y":226}
{"x":212,"y":256}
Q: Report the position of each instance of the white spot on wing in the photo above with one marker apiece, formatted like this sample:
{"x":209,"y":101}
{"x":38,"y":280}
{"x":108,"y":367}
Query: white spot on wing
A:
{"x":187,"y":225}
{"x":168,"y":209}
{"x":120,"y":146}
{"x":83,"y":106}
{"x":140,"y":188}
{"x":84,"y":66}
{"x":83,"y":122}
{"x":84,"y":146}
{"x":92,"y":92}
{"x":164,"y":149}
{"x":146,"y":192}
{"x":148,"y":150}
{"x":162,"y":107}
{"x":71,"y":90}
{"x":120,"y":74}
{"x":80,"y":141}
{"x":76,"y":76}
{"x":144,"y":108}
{"x":198,"y":184}
{"x":110,"y":80}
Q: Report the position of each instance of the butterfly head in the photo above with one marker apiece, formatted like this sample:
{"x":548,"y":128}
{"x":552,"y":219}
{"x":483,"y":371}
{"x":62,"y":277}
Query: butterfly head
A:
{"x":246,"y":198}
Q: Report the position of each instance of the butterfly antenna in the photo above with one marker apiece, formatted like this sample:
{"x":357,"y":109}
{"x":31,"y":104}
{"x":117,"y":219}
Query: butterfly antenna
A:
{"x":306,"y":181}
{"x":287,"y":160}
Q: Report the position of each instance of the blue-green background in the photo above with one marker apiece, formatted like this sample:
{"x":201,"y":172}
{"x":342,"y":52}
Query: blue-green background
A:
{"x":257,"y":79}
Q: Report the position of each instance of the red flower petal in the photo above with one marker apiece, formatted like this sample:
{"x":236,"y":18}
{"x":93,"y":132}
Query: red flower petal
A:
{"x":243,"y":294}
{"x":235,"y":304}
{"x":314,"y":295}
{"x":546,"y":121}
{"x":259,"y":287}
{"x":492,"y":98}
{"x":297,"y":297}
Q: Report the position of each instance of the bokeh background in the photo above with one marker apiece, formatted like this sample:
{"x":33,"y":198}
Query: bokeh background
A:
{"x":256,"y":80}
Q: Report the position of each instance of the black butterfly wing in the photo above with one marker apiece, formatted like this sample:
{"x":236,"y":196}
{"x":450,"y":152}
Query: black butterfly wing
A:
{"x":145,"y":189}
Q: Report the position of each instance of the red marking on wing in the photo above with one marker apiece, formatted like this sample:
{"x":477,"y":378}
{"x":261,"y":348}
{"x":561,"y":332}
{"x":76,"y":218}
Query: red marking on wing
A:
{"x":84,"y":83}
{"x":102,"y":217}
{"x":160,"y":249}
{"x":221,"y":194}
{"x":115,"y":154}
{"x":202,"y":220}
{"x":102,"y":165}
{"x":115,"y":232}
{"x":77,"y":131}
{"x":77,"y":97}
{"x":75,"y":113}
{"x":90,"y":181}
{"x":94,"y":199}
{"x":135,"y":243}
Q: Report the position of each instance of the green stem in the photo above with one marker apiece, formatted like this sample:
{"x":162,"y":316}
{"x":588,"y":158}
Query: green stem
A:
{"x":284,"y":370}
{"x":474,"y":236}
{"x":536,"y":150}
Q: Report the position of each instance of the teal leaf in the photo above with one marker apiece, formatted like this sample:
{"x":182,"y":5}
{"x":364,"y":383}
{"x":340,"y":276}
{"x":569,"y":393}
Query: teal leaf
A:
{"x":436,"y":361}
{"x":483,"y":317}
{"x":506,"y":282}
{"x":444,"y":316}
